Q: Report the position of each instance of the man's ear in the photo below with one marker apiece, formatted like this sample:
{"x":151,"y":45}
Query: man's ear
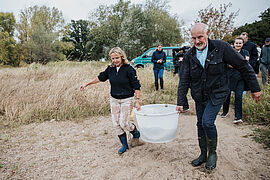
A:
{"x":207,"y":33}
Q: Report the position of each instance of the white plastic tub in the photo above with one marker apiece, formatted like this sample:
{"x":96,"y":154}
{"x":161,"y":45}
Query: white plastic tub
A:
{"x":157,"y":122}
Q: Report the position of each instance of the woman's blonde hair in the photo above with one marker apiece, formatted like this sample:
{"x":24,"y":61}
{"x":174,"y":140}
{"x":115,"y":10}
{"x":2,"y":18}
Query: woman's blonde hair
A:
{"x":121,"y":53}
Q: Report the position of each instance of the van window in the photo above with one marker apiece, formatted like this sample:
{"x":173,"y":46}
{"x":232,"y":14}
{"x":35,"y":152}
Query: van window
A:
{"x":168,"y":52}
{"x":149,"y":53}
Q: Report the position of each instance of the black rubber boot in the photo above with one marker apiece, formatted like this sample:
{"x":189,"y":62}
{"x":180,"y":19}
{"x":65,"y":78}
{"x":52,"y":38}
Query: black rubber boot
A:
{"x":135,"y":133}
{"x":203,"y":156}
{"x":212,"y":155}
{"x":123,"y":139}
{"x":161,"y":83}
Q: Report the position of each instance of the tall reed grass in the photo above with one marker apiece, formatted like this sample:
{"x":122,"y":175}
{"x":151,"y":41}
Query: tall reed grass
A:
{"x":38,"y":93}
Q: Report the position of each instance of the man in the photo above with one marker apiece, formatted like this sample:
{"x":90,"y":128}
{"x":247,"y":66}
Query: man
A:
{"x":178,"y":55}
{"x":253,"y":52}
{"x":204,"y":70}
{"x":265,"y":61}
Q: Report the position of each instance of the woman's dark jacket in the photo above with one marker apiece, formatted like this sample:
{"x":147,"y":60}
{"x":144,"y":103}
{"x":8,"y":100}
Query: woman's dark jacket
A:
{"x":156,"y":56}
{"x":211,"y":82}
{"x":234,"y":76}
{"x":123,"y":83}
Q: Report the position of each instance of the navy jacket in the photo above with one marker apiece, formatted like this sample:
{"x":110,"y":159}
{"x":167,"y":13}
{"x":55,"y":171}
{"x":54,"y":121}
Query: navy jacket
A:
{"x":234,"y":75}
{"x":211,"y":82}
{"x":253,"y":52}
{"x":156,"y":56}
{"x":123,"y":83}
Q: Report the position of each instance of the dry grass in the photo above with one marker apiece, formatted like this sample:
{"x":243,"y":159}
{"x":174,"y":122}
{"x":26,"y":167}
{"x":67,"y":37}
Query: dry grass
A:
{"x":38,"y":93}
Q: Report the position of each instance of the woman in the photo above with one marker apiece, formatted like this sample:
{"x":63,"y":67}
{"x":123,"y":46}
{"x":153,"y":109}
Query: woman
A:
{"x":237,"y":84}
{"x":124,"y":84}
{"x":159,"y":58}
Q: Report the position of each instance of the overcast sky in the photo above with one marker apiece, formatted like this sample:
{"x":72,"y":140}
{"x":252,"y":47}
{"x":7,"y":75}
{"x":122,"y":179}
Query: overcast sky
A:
{"x":185,"y":9}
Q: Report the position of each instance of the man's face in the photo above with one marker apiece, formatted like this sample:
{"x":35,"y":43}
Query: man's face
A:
{"x":199,"y":37}
{"x":245,"y":37}
{"x":267,"y":42}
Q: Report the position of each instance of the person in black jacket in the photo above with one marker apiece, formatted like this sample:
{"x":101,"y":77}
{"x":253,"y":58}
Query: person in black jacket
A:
{"x":124,"y":84}
{"x":204,"y":70}
{"x":253,"y":52}
{"x":265,"y":61}
{"x":237,"y":84}
{"x":178,"y":55}
{"x":159,"y":58}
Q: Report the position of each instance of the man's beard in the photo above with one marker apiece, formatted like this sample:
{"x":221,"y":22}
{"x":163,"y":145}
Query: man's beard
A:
{"x":201,"y":47}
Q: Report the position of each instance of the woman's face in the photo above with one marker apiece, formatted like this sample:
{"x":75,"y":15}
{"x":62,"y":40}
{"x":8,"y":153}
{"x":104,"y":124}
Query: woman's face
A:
{"x":159,"y":48}
{"x":238,"y":44}
{"x":116,"y":59}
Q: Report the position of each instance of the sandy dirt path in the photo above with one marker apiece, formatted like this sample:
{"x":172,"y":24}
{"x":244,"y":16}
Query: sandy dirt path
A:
{"x":88,"y":150}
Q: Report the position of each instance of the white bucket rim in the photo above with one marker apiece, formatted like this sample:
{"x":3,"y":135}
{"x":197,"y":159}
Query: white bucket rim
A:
{"x":164,"y":114}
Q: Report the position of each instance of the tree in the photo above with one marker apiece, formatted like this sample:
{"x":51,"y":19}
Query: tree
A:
{"x":258,"y":30}
{"x":32,"y":19}
{"x":220,"y":24}
{"x":77,"y":33}
{"x":8,"y":53}
{"x":41,"y":45}
{"x":134,"y":28}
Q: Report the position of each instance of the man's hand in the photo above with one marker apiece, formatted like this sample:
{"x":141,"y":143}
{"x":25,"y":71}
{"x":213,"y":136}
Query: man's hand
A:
{"x":137,"y":105}
{"x":179,"y":109}
{"x":257,"y":96}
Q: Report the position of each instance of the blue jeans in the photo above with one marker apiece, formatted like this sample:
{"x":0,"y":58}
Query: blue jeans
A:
{"x":158,"y":73}
{"x":238,"y":101}
{"x":206,"y":116}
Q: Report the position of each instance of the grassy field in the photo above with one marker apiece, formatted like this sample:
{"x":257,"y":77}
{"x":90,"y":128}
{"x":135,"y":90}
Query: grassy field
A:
{"x":37,"y":93}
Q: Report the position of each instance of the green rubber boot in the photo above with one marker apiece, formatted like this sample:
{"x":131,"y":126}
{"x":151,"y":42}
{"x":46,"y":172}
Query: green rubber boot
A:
{"x":212,"y":155}
{"x":203,"y":156}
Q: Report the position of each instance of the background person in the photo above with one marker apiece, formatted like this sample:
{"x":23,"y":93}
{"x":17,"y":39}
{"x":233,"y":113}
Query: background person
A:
{"x":204,"y":70}
{"x":237,"y":84}
{"x":159,"y":58}
{"x":253,"y":52}
{"x":124,"y":84}
{"x":265,"y":61}
{"x":178,"y":55}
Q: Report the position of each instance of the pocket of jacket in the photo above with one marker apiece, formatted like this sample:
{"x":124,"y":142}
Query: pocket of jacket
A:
{"x":215,"y":66}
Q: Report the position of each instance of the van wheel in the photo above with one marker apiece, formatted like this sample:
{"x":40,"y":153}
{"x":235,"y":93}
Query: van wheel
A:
{"x":139,"y":66}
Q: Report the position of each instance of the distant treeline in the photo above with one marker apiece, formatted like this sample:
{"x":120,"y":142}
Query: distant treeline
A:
{"x":41,"y":35}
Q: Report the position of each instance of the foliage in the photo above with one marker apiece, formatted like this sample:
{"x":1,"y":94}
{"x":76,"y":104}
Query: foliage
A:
{"x":64,"y":49}
{"x":41,"y":45}
{"x":8,"y":51}
{"x":31,"y":20}
{"x":259,"y":113}
{"x":134,"y":28}
{"x":220,"y":23}
{"x":262,"y":135}
{"x":258,"y":30}
{"x":77,"y":33}
{"x":7,"y":23}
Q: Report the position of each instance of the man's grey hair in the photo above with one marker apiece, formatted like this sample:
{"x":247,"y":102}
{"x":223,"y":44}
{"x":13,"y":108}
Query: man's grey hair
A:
{"x":206,"y":28}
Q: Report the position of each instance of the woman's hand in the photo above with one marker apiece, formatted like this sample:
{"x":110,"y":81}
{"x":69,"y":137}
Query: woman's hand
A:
{"x":82,"y":88}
